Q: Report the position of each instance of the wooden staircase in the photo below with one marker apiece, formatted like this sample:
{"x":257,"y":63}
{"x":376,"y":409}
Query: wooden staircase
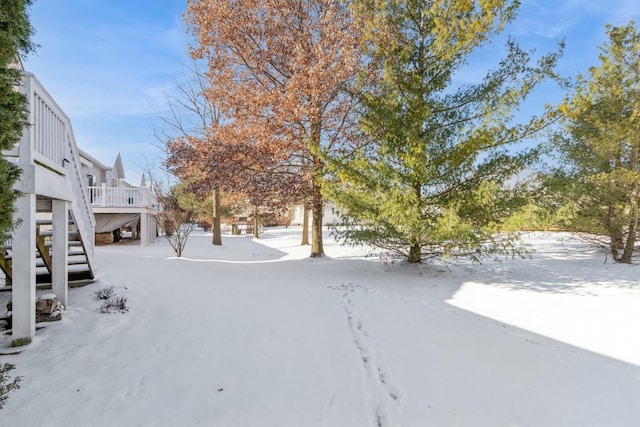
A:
{"x":79,"y":271}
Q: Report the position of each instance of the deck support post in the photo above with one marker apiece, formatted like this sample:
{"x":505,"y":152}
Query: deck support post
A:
{"x":144,"y":229}
{"x":23,"y":290}
{"x":60,"y":255}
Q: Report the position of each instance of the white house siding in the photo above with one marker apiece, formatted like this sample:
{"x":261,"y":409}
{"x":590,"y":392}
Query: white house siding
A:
{"x":329,"y":216}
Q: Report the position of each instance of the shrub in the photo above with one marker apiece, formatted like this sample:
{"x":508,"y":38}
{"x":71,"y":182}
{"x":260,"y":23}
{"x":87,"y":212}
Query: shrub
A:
{"x":114,"y":304}
{"x":6,"y":384}
{"x":105,"y":293}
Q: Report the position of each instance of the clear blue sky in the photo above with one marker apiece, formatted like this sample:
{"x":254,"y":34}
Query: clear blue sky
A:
{"x":109,"y":63}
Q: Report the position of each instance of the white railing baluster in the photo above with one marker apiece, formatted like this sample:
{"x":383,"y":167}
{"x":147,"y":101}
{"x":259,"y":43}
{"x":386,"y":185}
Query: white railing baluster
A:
{"x":48,"y":129}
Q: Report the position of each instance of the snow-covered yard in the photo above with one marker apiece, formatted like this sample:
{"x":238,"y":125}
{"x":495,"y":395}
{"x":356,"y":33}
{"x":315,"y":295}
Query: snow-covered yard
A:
{"x":254,"y":333}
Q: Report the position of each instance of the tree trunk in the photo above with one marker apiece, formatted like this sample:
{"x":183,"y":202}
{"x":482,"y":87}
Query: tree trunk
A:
{"x":627,"y":255}
{"x":215,"y":227}
{"x":317,"y":249}
{"x":256,"y":223}
{"x":415,"y":254}
{"x":415,"y":251}
{"x":305,"y":225}
{"x":615,"y":234}
{"x":178,"y":247}
{"x":317,"y":205}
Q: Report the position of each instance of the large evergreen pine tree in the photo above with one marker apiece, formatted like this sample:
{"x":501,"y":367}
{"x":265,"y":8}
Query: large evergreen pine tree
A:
{"x":15,"y":42}
{"x":600,"y":176}
{"x":428,"y":180}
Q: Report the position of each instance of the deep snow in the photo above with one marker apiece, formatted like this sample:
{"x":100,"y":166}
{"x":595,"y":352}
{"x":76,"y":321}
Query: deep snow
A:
{"x":254,"y":333}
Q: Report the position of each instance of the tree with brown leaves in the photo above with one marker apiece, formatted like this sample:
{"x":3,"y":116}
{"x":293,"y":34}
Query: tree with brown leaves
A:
{"x":281,"y":72}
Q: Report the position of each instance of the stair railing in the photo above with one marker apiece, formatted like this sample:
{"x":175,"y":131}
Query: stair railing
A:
{"x":81,"y":207}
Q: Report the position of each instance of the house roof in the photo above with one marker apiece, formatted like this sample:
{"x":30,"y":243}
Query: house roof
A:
{"x":91,"y":161}
{"x":117,"y":166}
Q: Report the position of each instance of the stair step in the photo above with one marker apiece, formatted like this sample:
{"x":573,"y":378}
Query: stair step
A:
{"x":78,"y":261}
{"x":75,"y":282}
{"x":72,"y":253}
{"x":47,"y":233}
{"x":74,"y":266}
{"x":78,"y":268}
{"x":70,"y":243}
{"x":49,"y":221}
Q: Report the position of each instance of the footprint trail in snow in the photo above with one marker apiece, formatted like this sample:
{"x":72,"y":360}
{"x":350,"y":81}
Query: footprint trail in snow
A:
{"x":382,"y":397}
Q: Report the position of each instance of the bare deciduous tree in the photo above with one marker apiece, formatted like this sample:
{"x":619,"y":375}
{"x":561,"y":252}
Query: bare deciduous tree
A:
{"x":192,"y":115}
{"x":176,"y":220}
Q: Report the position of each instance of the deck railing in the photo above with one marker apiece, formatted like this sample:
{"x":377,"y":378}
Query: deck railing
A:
{"x":49,"y":141}
{"x":104,"y":196}
{"x":45,"y":140}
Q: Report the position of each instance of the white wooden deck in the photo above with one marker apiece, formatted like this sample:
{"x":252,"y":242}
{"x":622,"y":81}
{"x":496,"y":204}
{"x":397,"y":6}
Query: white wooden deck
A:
{"x":51,"y":176}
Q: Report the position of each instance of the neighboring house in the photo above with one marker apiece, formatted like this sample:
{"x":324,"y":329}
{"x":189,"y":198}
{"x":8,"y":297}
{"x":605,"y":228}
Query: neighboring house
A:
{"x":118,"y":205}
{"x":329,"y":215}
